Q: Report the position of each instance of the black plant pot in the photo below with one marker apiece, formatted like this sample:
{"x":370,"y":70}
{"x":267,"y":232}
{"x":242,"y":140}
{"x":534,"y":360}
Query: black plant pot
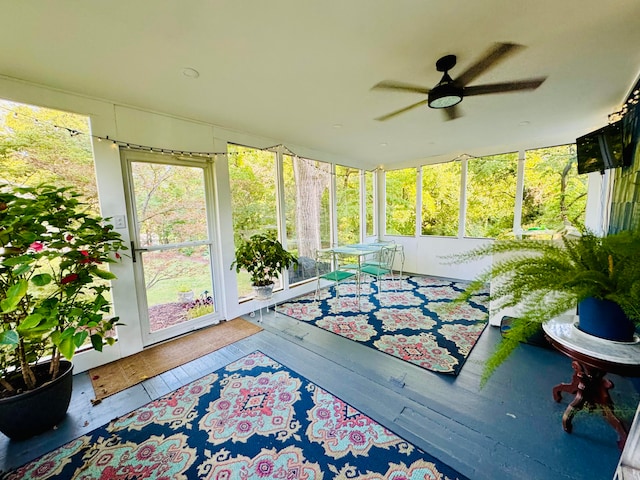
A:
{"x":36,"y":411}
{"x":605,"y":319}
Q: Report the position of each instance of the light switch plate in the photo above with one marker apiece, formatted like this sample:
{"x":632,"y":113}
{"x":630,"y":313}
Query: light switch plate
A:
{"x":119,"y":221}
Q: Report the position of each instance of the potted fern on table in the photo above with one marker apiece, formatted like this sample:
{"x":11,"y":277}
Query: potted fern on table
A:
{"x":598,"y":276}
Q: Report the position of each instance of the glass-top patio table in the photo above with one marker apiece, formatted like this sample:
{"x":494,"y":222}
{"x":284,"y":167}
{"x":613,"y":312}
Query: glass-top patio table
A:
{"x":380,"y":244}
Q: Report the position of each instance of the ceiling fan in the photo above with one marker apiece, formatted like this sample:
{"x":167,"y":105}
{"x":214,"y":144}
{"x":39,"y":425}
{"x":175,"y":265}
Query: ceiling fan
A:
{"x":448,"y":93}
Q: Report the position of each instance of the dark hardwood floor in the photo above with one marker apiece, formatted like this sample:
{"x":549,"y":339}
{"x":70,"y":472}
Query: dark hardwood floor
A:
{"x":510,"y":429}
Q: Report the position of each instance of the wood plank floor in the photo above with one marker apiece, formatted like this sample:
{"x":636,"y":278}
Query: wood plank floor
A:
{"x":510,"y":429}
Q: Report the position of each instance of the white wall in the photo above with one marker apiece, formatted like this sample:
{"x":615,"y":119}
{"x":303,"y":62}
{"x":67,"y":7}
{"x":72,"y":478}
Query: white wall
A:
{"x":426,"y":255}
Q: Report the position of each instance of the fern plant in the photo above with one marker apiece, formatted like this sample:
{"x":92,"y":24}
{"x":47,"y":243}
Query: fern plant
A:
{"x":544,"y":279}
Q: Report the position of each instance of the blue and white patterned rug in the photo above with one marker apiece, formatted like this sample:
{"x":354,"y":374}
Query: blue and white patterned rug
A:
{"x":252,"y":420}
{"x":411,"y":319}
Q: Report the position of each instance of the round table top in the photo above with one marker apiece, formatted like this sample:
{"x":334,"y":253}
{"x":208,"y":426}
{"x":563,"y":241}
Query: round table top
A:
{"x":564,"y":331}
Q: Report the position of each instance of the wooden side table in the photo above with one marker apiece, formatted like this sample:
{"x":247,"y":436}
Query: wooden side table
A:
{"x":593,"y":358}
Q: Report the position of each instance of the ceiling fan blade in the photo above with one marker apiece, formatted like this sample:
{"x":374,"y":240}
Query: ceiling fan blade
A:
{"x":402,"y":110}
{"x":518,"y":85}
{"x":406,"y":87}
{"x":495,"y":54}
{"x":451,"y":113}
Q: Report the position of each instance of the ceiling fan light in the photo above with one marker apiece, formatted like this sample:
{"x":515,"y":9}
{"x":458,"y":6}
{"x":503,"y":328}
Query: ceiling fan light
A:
{"x":445,"y":95}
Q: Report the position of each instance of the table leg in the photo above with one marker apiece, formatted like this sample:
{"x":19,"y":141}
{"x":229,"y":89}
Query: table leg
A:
{"x":571,"y":388}
{"x":591,"y":389}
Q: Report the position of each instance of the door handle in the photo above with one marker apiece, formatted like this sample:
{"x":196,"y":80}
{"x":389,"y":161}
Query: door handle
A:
{"x":136,"y":250}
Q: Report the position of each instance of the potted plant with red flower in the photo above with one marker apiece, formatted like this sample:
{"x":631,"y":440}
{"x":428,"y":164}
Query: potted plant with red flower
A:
{"x":53,"y":287}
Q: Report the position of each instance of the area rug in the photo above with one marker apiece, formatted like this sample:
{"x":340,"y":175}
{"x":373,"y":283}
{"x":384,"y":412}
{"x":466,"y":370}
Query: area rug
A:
{"x":253,"y":419}
{"x":129,"y":371}
{"x":412,"y":319}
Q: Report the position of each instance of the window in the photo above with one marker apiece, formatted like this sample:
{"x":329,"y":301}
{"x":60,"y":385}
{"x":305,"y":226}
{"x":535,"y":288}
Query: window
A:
{"x":400,"y":206}
{"x":554,"y":194}
{"x":40,"y":145}
{"x":307,"y":209}
{"x":441,"y":199}
{"x":252,"y":176}
{"x":348,"y":204}
{"x":491,"y":194}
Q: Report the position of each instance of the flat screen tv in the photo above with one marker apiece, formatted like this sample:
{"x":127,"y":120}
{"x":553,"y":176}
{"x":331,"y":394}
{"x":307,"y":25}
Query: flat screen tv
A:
{"x":600,"y":149}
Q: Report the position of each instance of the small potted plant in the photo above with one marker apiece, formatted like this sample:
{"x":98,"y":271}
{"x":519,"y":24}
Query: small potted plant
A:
{"x":52,"y":300}
{"x":185,"y":294}
{"x":544,"y":279}
{"x":264,"y":257}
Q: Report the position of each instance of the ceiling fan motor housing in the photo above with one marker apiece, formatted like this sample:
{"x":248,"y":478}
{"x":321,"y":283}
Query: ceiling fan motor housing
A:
{"x":445,"y":94}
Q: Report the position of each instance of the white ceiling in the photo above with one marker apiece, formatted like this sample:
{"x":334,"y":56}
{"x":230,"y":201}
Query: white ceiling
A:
{"x":301,"y":71}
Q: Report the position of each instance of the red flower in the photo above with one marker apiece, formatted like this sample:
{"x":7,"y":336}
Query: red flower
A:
{"x":84,"y":252}
{"x":36,"y":246}
{"x":69,"y":278}
{"x":118,"y":255}
{"x":69,"y":237}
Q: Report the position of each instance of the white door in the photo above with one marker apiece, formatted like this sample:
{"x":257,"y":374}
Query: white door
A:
{"x":170,"y":204}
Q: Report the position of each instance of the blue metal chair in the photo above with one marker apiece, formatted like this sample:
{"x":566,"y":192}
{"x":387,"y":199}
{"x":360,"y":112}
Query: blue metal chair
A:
{"x":381,"y":266}
{"x":399,"y":251}
{"x":328,"y":268}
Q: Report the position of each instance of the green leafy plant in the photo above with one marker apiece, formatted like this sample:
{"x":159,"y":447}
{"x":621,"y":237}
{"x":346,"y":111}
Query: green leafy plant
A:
{"x":264,"y":257}
{"x":544,"y":279}
{"x":52,"y":281}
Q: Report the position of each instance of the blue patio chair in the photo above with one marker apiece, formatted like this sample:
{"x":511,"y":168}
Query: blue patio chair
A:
{"x":381,"y":266}
{"x":328,"y":268}
{"x":377,"y":261}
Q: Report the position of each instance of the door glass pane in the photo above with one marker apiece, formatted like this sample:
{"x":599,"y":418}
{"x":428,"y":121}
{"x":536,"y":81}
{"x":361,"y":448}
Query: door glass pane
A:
{"x":491,"y":196}
{"x":348,"y":204}
{"x":400,"y":204}
{"x":441,"y":199}
{"x":178,"y":285}
{"x":252,"y":175}
{"x":170,"y":203}
{"x":306,"y":189}
{"x":555,"y":196}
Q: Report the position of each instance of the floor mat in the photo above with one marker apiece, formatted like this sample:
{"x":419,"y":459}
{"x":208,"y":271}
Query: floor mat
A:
{"x":126,"y":372}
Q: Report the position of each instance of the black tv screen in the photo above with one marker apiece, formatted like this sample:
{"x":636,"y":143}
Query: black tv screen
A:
{"x":601,"y":149}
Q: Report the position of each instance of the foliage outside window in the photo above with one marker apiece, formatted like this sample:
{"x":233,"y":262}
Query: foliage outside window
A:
{"x":441,"y":199}
{"x":491,"y":195}
{"x":400,"y":201}
{"x":306,"y":192}
{"x":348,"y":204}
{"x":252,"y":178}
{"x":369,"y":199}
{"x":555,"y":195}
{"x":36,"y":146}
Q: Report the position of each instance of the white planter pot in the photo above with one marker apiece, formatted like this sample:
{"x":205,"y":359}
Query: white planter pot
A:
{"x":263,"y":292}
